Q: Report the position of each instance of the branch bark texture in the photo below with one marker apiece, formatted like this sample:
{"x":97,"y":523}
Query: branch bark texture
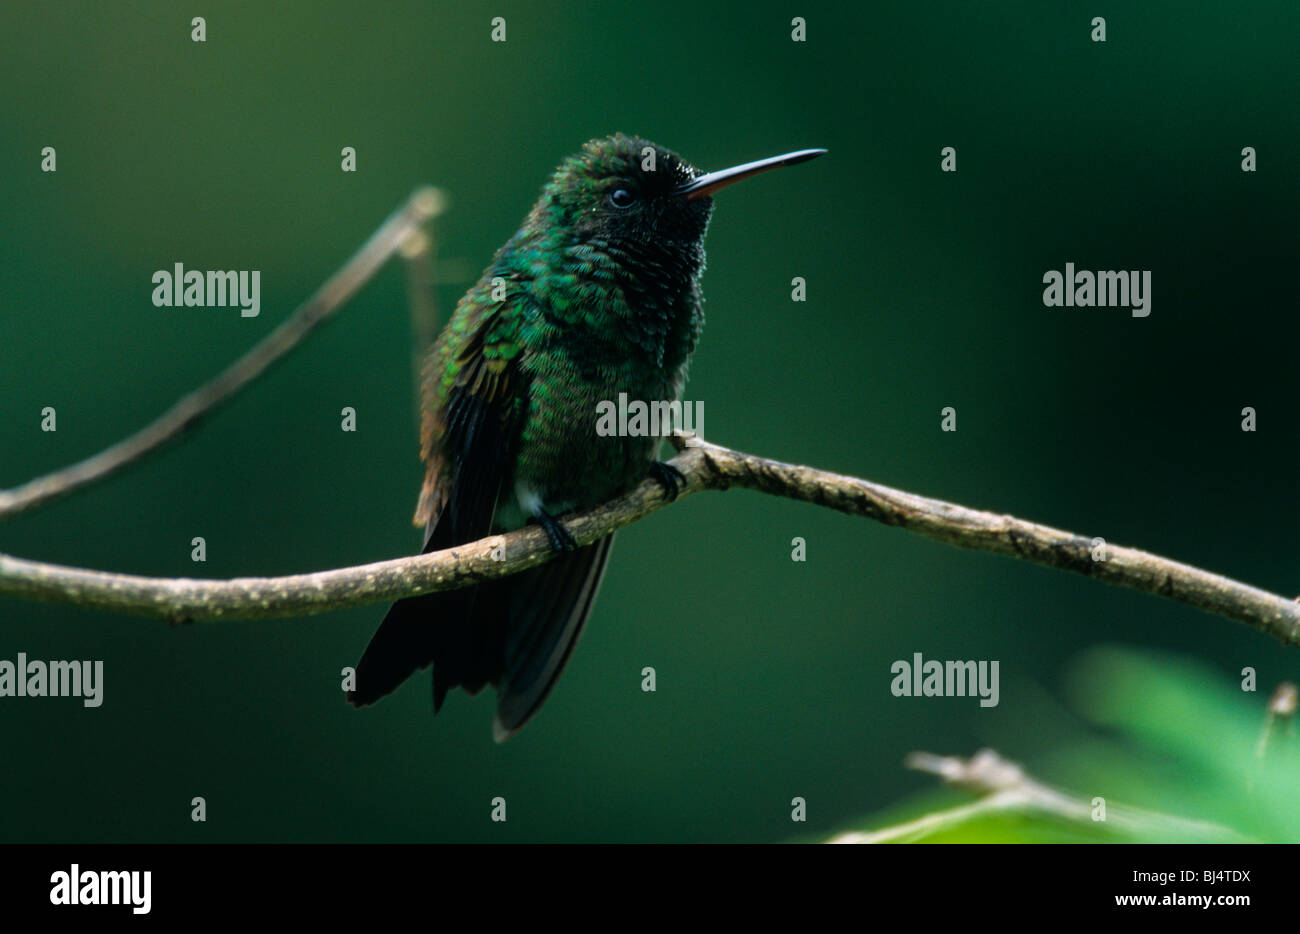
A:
{"x":706,"y":467}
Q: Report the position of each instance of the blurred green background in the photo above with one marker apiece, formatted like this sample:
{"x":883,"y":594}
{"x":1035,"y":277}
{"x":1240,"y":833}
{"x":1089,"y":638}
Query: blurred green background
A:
{"x":924,"y":290}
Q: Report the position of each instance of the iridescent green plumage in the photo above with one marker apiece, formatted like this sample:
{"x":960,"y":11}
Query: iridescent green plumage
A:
{"x":577,"y":308}
{"x":596,"y":295}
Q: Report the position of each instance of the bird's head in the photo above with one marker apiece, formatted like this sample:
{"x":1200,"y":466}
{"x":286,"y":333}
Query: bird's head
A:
{"x":624,"y":189}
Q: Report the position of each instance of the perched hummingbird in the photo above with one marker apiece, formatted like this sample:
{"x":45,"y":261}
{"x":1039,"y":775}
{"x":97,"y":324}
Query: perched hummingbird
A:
{"x":597,"y":294}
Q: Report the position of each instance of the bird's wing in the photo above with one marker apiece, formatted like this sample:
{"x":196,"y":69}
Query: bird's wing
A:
{"x":473,"y":408}
{"x":518,"y":632}
{"x":474,"y":394}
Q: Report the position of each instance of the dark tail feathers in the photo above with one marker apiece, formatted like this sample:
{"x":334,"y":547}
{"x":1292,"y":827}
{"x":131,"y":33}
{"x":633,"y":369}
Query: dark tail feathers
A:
{"x":516,"y":633}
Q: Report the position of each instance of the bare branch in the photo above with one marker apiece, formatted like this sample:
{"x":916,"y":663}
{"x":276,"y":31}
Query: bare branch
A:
{"x":181,"y":417}
{"x":184,"y":600}
{"x":705,"y":467}
{"x":1005,"y":787}
{"x":1003,"y":534}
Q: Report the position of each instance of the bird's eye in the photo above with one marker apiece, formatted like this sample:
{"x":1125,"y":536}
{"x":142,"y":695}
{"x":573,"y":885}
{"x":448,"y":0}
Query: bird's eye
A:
{"x":622,"y":198}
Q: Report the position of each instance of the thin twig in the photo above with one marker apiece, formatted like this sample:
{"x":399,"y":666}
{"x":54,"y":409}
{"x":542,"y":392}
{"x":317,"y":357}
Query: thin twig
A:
{"x":406,"y":222}
{"x":1279,"y":715}
{"x":706,"y":467}
{"x":1005,"y":787}
{"x":419,"y":254}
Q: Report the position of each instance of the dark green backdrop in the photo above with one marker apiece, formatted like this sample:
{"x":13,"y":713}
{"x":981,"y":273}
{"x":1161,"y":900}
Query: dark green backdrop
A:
{"x":924,"y":290}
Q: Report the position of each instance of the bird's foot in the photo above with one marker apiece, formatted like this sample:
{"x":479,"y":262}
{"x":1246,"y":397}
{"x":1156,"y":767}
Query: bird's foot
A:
{"x":669,"y":477}
{"x":561,"y":539}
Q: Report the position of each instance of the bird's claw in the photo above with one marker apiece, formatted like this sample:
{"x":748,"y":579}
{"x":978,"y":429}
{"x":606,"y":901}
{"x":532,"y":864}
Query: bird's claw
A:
{"x":561,"y":539}
{"x":672,"y":480}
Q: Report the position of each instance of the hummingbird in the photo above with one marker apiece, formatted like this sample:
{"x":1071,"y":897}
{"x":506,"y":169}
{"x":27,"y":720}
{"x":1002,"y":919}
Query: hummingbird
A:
{"x":597,"y":294}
